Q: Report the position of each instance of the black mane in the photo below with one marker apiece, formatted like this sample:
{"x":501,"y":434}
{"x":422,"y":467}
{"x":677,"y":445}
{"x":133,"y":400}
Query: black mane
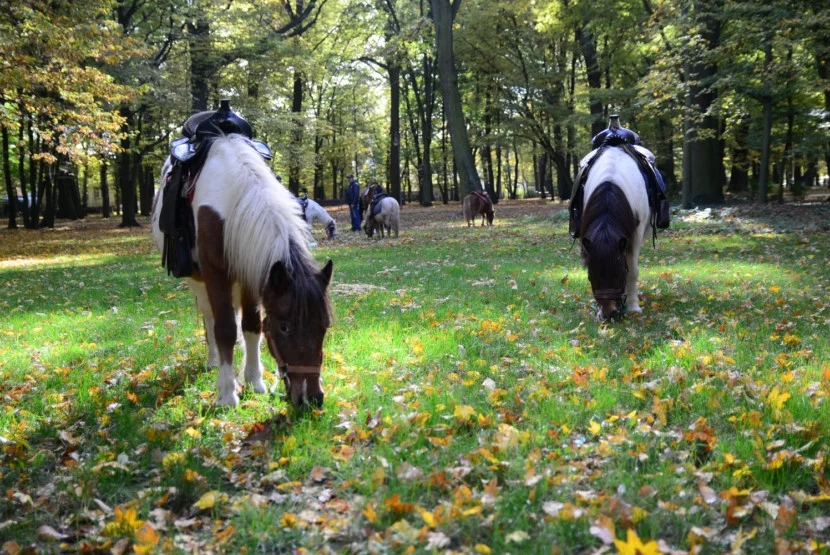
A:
{"x":606,"y":220}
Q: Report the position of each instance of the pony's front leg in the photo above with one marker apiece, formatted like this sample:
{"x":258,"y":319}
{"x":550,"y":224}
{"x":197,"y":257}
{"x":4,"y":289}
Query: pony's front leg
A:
{"x":632,"y":290}
{"x":203,"y":304}
{"x":252,"y":332}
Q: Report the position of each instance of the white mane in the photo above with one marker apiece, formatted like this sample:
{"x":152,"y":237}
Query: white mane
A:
{"x":263,"y":223}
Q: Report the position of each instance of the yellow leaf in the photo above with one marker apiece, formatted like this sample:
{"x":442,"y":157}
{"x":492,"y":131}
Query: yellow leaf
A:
{"x":288,"y":520}
{"x":207,"y":501}
{"x":370,"y":513}
{"x":464,"y":413}
{"x":633,"y":545}
{"x":595,"y":428}
{"x":193,"y":433}
{"x":483,"y":549}
{"x":776,"y":398}
{"x":428,"y":517}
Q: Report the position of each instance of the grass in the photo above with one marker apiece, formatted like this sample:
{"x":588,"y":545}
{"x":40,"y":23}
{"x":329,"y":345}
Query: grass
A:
{"x":472,"y":404}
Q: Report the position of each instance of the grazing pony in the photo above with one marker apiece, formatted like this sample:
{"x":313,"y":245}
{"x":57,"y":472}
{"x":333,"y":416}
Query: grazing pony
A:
{"x":314,"y":213}
{"x":368,"y":195}
{"x":386,"y":216}
{"x":478,"y":203}
{"x":252,"y":257}
{"x":614,"y":224}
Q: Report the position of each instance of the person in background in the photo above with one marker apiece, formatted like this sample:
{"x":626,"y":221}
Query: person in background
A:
{"x":352,"y":199}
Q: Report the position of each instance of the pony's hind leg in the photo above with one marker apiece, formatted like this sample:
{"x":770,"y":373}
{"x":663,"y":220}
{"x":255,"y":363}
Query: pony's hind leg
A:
{"x":252,"y":332}
{"x":203,"y":304}
{"x":632,"y":289}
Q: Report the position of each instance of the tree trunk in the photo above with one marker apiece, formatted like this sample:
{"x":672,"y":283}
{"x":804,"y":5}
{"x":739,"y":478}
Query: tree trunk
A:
{"x":29,"y":222}
{"x":296,"y":135}
{"x":34,"y":178}
{"x":49,"y":199}
{"x":739,"y":175}
{"x":766,"y":136}
{"x":105,"y":192}
{"x":464,"y":164}
{"x":594,"y":74}
{"x":85,"y":189}
{"x":125,"y":173}
{"x":426,"y":130}
{"x":68,"y":200}
{"x":11,"y":194}
{"x":395,"y":132}
{"x":702,"y":146}
{"x":515,"y":171}
{"x":201,"y":67}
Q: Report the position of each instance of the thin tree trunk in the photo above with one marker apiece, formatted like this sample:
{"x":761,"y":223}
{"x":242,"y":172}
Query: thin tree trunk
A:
{"x":28,"y":221}
{"x":766,"y":136}
{"x":11,"y":194}
{"x":395,"y":132}
{"x":105,"y":192}
{"x":296,"y":135}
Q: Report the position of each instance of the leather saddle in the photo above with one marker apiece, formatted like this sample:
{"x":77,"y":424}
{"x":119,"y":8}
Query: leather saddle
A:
{"x":374,"y":208}
{"x":188,"y":155}
{"x":302,"y":200}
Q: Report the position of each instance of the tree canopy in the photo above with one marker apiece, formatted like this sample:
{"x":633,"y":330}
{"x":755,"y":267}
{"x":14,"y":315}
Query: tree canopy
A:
{"x":434,"y":98}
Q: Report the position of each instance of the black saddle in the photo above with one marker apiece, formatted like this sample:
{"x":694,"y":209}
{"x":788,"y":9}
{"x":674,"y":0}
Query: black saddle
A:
{"x":188,"y":155}
{"x":302,"y":200}
{"x":374,"y":209}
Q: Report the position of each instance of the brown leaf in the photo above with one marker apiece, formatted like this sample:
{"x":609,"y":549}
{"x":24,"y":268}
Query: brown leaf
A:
{"x":318,"y":474}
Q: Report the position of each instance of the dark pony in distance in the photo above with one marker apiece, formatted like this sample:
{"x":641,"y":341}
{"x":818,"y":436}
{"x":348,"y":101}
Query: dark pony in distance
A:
{"x":478,"y":203}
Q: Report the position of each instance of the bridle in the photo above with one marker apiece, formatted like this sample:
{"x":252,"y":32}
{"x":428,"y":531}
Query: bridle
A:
{"x":614,"y":294}
{"x":287,"y":370}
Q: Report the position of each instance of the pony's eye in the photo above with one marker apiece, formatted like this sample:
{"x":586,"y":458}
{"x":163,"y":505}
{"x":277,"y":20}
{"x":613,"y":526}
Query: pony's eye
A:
{"x":283,"y":327}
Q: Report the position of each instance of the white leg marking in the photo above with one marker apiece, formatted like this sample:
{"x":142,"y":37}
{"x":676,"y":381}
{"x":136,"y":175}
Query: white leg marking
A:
{"x":632,"y":291}
{"x":203,"y":304}
{"x":226,"y":387}
{"x":253,"y":366}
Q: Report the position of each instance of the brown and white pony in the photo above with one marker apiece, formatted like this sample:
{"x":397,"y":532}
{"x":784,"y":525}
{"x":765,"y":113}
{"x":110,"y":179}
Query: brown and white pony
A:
{"x":478,"y":203}
{"x":614,"y":223}
{"x":368,"y":195}
{"x":252,"y":255}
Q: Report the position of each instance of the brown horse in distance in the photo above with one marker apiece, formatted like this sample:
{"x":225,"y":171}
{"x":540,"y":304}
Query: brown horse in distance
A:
{"x":478,"y":203}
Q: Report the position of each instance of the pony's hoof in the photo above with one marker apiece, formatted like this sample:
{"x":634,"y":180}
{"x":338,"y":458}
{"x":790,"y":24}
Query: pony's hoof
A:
{"x":228,"y":400}
{"x":634,"y":308}
{"x":257,"y":385}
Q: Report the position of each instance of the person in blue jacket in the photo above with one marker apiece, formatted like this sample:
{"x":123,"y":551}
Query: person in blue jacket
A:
{"x":352,"y":199}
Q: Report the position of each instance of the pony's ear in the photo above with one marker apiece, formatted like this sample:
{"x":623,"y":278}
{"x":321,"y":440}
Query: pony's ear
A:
{"x":325,"y":274}
{"x":279,"y":278}
{"x":623,"y":244}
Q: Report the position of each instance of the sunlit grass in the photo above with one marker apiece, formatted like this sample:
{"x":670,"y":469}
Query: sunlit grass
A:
{"x":464,"y":374}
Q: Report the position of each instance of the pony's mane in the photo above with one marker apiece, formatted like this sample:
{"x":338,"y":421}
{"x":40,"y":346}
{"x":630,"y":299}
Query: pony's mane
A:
{"x":263,"y":223}
{"x":606,"y":219}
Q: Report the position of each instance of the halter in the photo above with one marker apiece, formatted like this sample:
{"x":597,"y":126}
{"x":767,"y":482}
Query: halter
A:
{"x":617,"y":295}
{"x":286,"y":369}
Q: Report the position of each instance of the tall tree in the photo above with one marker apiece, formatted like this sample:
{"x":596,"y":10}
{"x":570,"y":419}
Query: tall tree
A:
{"x":443,"y":14}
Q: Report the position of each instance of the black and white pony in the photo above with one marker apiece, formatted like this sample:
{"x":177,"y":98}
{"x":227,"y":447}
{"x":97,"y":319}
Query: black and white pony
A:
{"x":614,"y":224}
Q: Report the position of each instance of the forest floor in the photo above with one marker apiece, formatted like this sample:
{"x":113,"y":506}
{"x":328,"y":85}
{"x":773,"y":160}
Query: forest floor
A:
{"x":473,"y":403}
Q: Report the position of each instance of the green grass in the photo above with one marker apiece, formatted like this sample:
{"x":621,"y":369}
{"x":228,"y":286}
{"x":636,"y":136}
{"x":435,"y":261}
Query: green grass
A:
{"x":470,"y":397}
